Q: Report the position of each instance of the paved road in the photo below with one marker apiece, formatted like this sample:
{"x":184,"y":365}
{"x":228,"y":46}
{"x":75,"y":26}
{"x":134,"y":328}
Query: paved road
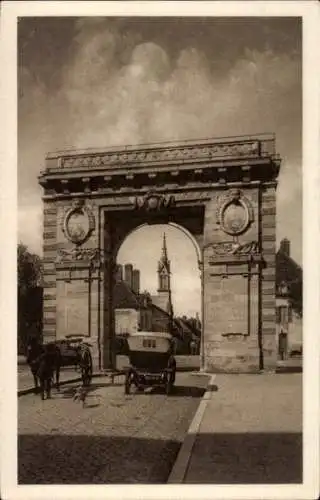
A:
{"x":25,"y":378}
{"x":115,"y":439}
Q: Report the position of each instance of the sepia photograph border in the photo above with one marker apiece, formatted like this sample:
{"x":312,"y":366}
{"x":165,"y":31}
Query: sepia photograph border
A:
{"x":309,"y":11}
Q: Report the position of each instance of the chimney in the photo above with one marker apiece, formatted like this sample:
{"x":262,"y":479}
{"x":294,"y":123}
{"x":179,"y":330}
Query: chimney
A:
{"x":136,"y":281}
{"x":128,"y":275}
{"x":285,"y":247}
{"x":119,"y":273}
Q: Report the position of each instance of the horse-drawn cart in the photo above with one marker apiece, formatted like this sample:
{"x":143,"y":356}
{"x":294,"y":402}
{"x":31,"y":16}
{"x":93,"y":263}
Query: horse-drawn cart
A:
{"x":48,"y":359}
{"x":151,"y":361}
{"x":76,"y":351}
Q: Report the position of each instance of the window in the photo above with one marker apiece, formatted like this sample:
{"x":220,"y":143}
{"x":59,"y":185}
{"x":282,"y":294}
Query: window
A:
{"x":149,"y":343}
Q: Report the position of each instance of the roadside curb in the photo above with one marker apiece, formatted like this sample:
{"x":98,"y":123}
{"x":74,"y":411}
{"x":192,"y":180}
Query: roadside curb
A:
{"x":180,"y":466}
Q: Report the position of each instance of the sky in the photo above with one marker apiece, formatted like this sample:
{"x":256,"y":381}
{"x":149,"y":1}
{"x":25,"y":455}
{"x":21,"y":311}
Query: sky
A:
{"x":98,"y":82}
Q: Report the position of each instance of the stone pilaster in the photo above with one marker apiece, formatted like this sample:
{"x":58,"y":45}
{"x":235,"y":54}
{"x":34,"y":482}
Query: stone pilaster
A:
{"x":49,"y":273}
{"x":231,"y":292}
{"x":268,"y":291}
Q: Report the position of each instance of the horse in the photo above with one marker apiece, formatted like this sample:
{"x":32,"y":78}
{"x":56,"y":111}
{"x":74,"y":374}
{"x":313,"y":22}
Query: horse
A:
{"x":44,"y":362}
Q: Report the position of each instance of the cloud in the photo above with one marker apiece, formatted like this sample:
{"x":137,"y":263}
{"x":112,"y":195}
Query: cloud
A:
{"x":118,"y":89}
{"x":29,"y":222}
{"x":152,"y":98}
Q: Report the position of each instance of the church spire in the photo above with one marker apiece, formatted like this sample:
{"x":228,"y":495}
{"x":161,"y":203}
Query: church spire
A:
{"x":164,"y":256}
{"x":164,"y":272}
{"x":164,"y":268}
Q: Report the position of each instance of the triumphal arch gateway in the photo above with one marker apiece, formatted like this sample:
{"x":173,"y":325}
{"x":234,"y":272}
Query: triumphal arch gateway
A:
{"x":222,"y":192}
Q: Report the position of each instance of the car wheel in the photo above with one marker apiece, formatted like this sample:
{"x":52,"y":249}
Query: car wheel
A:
{"x":168,"y":387}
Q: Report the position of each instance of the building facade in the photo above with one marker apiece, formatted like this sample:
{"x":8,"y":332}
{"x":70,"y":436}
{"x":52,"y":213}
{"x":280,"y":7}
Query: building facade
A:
{"x":289,"y":306}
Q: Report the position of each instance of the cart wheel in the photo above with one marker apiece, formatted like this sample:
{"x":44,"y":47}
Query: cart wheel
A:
{"x":127,"y":384}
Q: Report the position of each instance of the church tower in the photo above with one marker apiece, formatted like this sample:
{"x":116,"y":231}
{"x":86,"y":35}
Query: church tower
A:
{"x":164,"y":285}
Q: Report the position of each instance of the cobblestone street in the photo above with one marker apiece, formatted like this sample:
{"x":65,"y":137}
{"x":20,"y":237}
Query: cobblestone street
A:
{"x":114,"y":439}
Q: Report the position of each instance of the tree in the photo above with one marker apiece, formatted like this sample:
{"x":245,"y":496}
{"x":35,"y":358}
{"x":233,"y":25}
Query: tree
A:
{"x":29,"y":268}
{"x":29,"y":295}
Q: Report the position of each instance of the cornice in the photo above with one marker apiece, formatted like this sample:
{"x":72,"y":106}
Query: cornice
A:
{"x":167,"y":154}
{"x":212,"y":163}
{"x":197,"y":190}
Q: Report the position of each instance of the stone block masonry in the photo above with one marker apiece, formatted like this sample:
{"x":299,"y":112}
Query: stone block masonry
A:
{"x":221,"y":191}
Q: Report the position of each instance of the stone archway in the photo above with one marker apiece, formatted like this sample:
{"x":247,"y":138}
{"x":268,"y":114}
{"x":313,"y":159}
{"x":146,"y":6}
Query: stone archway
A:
{"x":223,"y":192}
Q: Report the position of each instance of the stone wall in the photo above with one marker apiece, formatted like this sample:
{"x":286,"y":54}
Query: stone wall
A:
{"x":231,"y":292}
{"x":71,"y":286}
{"x":126,"y":321}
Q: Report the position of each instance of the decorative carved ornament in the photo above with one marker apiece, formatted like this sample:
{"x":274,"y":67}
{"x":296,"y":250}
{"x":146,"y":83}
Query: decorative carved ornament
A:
{"x":201,"y":151}
{"x":152,"y":202}
{"x":235,"y":213}
{"x":78,"y":222}
{"x":78,"y":254}
{"x":235,"y":248}
{"x":93,"y":257}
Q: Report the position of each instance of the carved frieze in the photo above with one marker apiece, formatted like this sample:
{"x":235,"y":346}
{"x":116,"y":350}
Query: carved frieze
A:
{"x":191,"y":152}
{"x":153,"y":202}
{"x":78,"y":222}
{"x":87,"y":257}
{"x":235,"y":248}
{"x":235,"y":213}
{"x":79,"y":254}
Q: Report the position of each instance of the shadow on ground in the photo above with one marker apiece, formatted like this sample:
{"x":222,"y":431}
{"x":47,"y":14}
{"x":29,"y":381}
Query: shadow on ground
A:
{"x":289,"y":369}
{"x":274,"y":458}
{"x":69,"y":392}
{"x":177,"y":391}
{"x":58,"y":459}
{"x":249,"y":458}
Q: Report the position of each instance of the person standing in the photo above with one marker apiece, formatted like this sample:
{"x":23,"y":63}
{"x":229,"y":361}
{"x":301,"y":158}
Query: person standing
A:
{"x":283,"y":345}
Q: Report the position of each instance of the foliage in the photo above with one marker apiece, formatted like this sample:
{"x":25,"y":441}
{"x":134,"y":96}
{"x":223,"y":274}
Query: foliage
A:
{"x":29,"y":267}
{"x":295,"y":288}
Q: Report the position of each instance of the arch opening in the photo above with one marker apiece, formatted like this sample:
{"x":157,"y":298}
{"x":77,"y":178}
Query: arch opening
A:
{"x":159,"y":263}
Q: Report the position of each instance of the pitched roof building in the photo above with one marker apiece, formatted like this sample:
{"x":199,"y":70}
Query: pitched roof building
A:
{"x":289,"y":275}
{"x":139,"y":310}
{"x":289,"y":300}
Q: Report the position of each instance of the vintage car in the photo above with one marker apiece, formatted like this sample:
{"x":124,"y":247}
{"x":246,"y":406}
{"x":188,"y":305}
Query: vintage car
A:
{"x":151,"y":361}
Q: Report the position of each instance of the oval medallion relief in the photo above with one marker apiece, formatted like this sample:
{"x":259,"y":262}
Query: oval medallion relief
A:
{"x":234,"y":218}
{"x":78,"y":224}
{"x":235,"y":213}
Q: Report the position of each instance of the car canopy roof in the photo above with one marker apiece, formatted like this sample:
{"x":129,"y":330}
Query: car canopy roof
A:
{"x":163,"y":335}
